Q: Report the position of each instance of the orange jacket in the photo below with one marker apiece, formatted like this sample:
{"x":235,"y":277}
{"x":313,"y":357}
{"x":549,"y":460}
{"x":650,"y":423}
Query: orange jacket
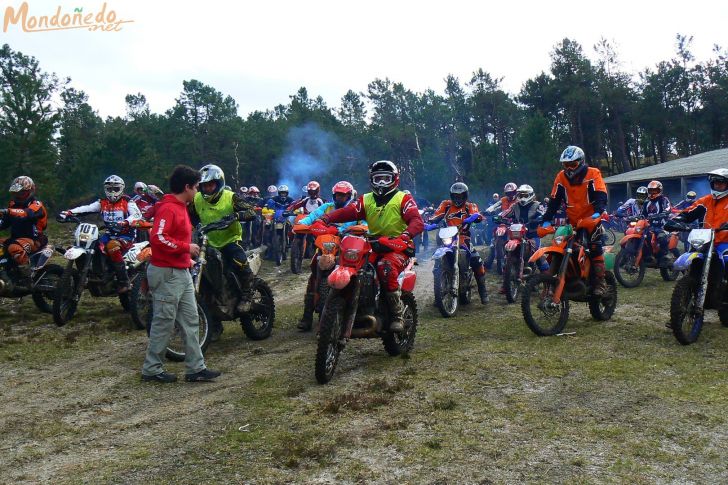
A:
{"x":454,"y":215}
{"x":713,"y":213}
{"x":26,"y":220}
{"x":583,"y":196}
{"x":506,"y":203}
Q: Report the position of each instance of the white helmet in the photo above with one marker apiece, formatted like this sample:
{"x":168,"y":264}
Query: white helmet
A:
{"x":718,"y":175}
{"x":113,"y":187}
{"x":525,"y":194}
{"x":573,"y":160}
{"x":510,"y":190}
{"x":282,"y":188}
{"x":641,"y":194}
{"x":272,"y":190}
{"x":140,"y":185}
{"x":212,"y":173}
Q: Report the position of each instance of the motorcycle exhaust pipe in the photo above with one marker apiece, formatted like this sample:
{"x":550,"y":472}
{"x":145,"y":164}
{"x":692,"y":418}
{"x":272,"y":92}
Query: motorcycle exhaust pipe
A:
{"x":370,"y":331}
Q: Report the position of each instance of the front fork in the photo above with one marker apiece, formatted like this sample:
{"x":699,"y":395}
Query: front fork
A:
{"x":200,"y":265}
{"x":703,"y":288}
{"x":562,"y":273}
{"x":83,"y":277}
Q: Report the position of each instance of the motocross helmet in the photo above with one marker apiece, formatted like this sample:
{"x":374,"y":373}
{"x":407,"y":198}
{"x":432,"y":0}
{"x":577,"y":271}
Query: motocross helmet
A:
{"x":718,"y":180}
{"x":654,"y":189}
{"x":253,"y":191}
{"x":459,"y":194}
{"x":313,"y":189}
{"x":22,"y":188}
{"x":140,"y":188}
{"x":113,"y":187}
{"x":573,"y":161}
{"x":283,"y":190}
{"x":641,"y":195}
{"x":383,"y":177}
{"x":243,"y":191}
{"x":690,"y":196}
{"x":212,"y":173}
{"x":510,"y":190}
{"x":154,"y":191}
{"x":495,"y":197}
{"x":342,"y":187}
{"x":525,"y":194}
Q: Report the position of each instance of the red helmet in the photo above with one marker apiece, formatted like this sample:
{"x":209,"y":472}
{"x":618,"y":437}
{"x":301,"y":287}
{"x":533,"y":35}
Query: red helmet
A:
{"x":383,"y":177}
{"x":313,"y":188}
{"x":22,"y":188}
{"x":510,"y":190}
{"x":654,"y":189}
{"x":253,"y":191}
{"x":342,"y":187}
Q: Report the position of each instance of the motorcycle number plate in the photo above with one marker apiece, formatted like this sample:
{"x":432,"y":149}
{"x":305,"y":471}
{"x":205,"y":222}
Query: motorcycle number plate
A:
{"x":73,"y":253}
{"x":279,"y":225}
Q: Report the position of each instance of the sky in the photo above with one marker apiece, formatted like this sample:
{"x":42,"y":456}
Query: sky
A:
{"x":260,"y":53}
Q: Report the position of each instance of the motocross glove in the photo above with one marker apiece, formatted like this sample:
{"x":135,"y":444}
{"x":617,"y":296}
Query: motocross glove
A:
{"x":471,"y":219}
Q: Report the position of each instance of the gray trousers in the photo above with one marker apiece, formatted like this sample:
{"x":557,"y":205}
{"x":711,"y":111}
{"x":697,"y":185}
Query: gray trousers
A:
{"x":173,"y":300}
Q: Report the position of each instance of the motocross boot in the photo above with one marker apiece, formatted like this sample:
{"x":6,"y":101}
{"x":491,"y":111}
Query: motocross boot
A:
{"x":600,"y":284}
{"x":122,"y":277}
{"x":482,"y":290}
{"x":246,"y":291}
{"x":307,"y":319}
{"x":396,"y":310}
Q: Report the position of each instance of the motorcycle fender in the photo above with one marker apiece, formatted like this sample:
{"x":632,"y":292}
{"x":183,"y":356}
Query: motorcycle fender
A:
{"x":440,"y":252}
{"x":407,"y":280}
{"x":628,"y":237}
{"x":74,"y":253}
{"x":685,"y":260}
{"x":512,"y":245}
{"x":500,"y":231}
{"x":254,"y":263}
{"x":674,"y":238}
{"x":543,"y":251}
{"x":340,"y":277}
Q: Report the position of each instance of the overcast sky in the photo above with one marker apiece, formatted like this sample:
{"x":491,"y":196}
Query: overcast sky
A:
{"x":261,"y":52}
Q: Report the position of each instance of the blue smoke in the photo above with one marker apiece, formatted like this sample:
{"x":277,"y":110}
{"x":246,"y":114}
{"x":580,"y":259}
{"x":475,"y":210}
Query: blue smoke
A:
{"x":314,"y":154}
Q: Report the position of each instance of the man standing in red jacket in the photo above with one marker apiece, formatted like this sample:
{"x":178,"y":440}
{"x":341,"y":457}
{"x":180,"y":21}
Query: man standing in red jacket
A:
{"x":170,"y":282}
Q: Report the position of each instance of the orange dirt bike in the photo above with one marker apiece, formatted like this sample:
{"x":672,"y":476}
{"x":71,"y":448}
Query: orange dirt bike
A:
{"x":327,"y":249}
{"x":639,"y":251}
{"x":355,"y":307}
{"x":301,"y":245}
{"x":545,"y":299}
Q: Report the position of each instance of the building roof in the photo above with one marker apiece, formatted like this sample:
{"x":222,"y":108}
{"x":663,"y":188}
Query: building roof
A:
{"x":693,"y":166}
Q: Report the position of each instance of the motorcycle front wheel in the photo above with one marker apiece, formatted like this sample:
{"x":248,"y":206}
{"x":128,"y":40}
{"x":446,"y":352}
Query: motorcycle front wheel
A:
{"x":329,"y":348}
{"x":296,"y":255}
{"x":542,"y":315}
{"x":64,"y":301}
{"x":685,"y":325}
{"x":44,"y":287}
{"x":446,"y":298}
{"x":511,"y":283}
{"x":627,"y":273}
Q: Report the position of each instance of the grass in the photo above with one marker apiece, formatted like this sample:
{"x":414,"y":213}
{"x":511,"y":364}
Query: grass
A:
{"x":480,"y":400}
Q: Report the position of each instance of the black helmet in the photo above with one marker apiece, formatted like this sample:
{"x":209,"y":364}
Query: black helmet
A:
{"x":458,"y":193}
{"x":383,"y":177}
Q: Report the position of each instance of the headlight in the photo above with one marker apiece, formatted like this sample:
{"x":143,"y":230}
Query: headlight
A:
{"x":697,"y":243}
{"x":637,"y":229}
{"x":559,"y":239}
{"x":352,"y":255}
{"x":84,"y":238}
{"x":329,"y":246}
{"x":447,"y":241}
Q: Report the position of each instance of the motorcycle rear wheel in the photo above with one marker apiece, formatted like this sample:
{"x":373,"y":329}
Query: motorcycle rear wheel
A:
{"x":329,"y":348}
{"x":140,"y":301}
{"x":402,"y":343}
{"x":541,"y":320}
{"x":685,"y":325}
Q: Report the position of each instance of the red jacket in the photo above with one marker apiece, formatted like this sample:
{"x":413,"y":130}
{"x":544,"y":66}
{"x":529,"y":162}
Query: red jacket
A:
{"x":171,"y":235}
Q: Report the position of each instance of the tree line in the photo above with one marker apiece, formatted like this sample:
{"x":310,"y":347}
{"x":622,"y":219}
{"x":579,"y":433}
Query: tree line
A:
{"x":473,"y":130}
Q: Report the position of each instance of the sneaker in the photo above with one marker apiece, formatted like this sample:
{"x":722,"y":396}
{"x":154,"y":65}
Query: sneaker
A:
{"x":163,"y":377}
{"x":205,"y":375}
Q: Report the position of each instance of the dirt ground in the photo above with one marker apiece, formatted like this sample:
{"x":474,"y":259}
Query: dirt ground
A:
{"x":479,"y":400}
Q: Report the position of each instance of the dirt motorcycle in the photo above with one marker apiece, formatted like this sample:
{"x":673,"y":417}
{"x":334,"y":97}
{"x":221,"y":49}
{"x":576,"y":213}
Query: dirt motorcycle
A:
{"x":355,"y":307}
{"x":88,"y":268}
{"x":452,"y":274}
{"x":44,"y":277}
{"x":639,"y":251}
{"x":704,"y":285}
{"x":518,"y":267}
{"x":327,"y":243}
{"x":218,"y":293}
{"x":545,"y":298}
{"x":498,"y":243}
{"x":301,"y":244}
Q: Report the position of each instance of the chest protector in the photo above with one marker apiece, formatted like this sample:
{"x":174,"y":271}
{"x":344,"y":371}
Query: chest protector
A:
{"x":385,"y":220}
{"x":214,"y":212}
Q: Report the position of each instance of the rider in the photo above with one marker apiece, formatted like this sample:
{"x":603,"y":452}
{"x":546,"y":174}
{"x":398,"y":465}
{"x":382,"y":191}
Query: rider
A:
{"x":657,"y":208}
{"x":583,"y":191}
{"x":707,"y":209}
{"x":343,"y":193}
{"x":27,"y":219}
{"x":633,"y":207}
{"x":458,"y":211}
{"x":212,"y":203}
{"x":280,"y":201}
{"x":270,"y":192}
{"x":311,"y":202}
{"x":687,"y":201}
{"x":119,"y":212}
{"x":389,"y":213}
{"x":527,"y":211}
{"x":253,"y":196}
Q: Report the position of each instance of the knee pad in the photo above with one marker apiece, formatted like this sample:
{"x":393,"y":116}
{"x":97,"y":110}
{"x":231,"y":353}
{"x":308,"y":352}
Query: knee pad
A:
{"x":113,"y":246}
{"x":19,"y":252}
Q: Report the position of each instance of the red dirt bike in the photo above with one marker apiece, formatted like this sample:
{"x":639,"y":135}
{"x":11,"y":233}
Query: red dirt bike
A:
{"x":518,"y":251}
{"x":639,"y":251}
{"x":327,"y":244}
{"x":354,"y":308}
{"x":545,"y":299}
